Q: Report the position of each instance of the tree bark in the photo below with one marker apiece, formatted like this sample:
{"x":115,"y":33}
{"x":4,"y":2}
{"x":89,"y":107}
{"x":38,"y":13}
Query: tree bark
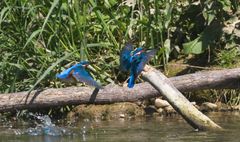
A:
{"x":191,"y":114}
{"x":221,"y":79}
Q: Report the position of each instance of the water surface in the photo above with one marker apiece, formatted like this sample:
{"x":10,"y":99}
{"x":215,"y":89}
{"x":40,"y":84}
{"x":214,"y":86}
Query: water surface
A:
{"x":152,"y":129}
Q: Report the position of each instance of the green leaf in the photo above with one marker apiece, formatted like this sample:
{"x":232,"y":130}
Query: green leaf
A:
{"x":168,"y":14}
{"x":226,"y":5}
{"x":194,"y":47}
{"x":167,"y":45}
{"x":35,"y":33}
{"x":211,"y":17}
{"x":3,"y":13}
{"x":101,"y":44}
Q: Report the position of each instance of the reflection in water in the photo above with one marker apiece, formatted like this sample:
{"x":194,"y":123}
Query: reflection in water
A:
{"x":169,"y":129}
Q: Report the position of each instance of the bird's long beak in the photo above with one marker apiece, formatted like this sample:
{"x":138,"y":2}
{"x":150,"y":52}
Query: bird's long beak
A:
{"x":86,"y":65}
{"x":138,"y":53}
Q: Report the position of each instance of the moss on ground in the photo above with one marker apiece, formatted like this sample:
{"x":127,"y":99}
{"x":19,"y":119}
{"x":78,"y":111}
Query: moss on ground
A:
{"x":106,"y":112}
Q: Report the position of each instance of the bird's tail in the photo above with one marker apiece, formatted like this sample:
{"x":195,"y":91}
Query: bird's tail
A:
{"x":131,"y":81}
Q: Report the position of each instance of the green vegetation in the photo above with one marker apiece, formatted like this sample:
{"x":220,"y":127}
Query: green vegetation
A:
{"x":40,"y":38}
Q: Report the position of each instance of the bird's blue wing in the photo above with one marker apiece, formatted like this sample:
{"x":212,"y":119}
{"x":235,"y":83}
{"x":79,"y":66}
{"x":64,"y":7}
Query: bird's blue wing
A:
{"x":82,"y":75}
{"x":125,"y":57}
{"x":144,"y":58}
{"x":66,"y":73}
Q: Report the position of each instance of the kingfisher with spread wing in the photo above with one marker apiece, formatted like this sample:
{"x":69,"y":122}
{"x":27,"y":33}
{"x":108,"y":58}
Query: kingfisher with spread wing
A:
{"x":134,"y":60}
{"x":138,"y":60}
{"x":78,"y":72}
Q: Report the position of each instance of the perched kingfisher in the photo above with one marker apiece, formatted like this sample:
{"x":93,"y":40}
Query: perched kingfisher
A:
{"x":134,"y":60}
{"x":79,"y":73}
{"x":138,"y":60}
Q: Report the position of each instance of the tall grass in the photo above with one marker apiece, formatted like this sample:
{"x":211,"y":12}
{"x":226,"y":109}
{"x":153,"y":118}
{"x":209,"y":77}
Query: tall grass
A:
{"x":36,"y":37}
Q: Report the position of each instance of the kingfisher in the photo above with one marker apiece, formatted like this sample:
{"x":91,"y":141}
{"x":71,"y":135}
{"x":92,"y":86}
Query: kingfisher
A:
{"x":138,"y":60}
{"x":134,"y":60}
{"x":78,"y":72}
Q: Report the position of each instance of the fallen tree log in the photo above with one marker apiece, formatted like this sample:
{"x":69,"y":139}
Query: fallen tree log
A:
{"x":178,"y":101}
{"x":221,"y":79}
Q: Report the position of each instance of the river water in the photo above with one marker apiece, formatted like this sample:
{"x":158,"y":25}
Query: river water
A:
{"x":149,"y":129}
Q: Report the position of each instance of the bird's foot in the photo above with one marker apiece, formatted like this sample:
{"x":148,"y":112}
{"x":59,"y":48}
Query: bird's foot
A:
{"x":125,"y":83}
{"x":147,"y":68}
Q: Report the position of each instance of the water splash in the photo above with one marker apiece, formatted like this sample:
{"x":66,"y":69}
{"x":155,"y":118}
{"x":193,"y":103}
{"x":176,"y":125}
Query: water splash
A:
{"x":85,"y":129}
{"x":43,"y":126}
{"x":46,"y":127}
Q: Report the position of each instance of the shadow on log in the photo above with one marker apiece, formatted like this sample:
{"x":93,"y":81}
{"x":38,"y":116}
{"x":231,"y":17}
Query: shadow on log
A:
{"x":191,"y":114}
{"x":221,"y":79}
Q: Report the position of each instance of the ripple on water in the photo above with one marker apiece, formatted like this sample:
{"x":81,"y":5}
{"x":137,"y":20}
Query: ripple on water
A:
{"x":169,"y":129}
